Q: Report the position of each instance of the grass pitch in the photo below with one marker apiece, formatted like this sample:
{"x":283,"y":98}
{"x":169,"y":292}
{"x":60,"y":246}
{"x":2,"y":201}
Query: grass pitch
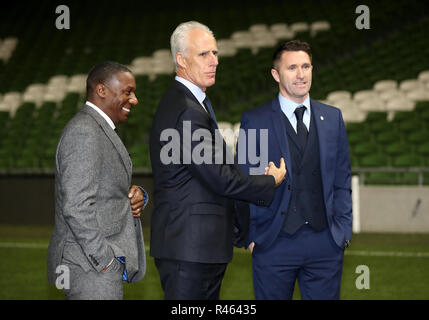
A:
{"x":398,"y":266}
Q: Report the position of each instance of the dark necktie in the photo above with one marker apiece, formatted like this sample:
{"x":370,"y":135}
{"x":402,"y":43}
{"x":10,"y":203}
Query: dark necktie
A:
{"x":209,"y":107}
{"x":301,"y":129}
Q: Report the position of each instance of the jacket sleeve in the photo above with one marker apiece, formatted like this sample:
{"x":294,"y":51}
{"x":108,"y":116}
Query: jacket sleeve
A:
{"x":206,"y":155}
{"x":243,"y":209}
{"x":342,"y":183}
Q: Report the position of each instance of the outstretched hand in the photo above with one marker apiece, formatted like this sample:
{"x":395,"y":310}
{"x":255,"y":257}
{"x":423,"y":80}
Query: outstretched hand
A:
{"x":278,"y":173}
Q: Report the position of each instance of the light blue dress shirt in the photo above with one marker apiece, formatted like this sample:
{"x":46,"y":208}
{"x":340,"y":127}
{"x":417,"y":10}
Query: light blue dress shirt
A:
{"x":288,"y":107}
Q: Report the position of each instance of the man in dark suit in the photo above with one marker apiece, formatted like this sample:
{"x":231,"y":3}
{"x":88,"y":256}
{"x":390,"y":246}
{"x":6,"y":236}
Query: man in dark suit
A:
{"x":96,"y":242}
{"x":192,"y":229}
{"x":302,"y":234}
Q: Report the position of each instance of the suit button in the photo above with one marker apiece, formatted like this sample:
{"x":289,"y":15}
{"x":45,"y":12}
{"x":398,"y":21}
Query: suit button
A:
{"x":288,"y":187}
{"x":283,"y":213}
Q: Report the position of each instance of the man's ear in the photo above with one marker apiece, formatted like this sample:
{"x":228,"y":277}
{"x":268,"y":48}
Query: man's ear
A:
{"x":181,"y":60}
{"x":275,"y":75}
{"x":100,"y":90}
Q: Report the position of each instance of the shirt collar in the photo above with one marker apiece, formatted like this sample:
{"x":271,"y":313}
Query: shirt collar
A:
{"x":288,"y":106}
{"x":196,"y":91}
{"x":105,"y":116}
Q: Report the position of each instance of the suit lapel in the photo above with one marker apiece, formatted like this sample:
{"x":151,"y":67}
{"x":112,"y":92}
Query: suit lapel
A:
{"x":277,"y":118}
{"x":113,"y":137}
{"x":193,"y":102}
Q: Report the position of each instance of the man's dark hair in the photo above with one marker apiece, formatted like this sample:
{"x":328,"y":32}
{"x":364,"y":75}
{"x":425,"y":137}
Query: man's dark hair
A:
{"x":293,"y":45}
{"x":102,"y":73}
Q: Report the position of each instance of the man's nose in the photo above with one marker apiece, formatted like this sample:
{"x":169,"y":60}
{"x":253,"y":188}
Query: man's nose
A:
{"x":214,"y":60}
{"x":134,"y":100}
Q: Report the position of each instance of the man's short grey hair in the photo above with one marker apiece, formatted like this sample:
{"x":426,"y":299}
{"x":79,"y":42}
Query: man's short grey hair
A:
{"x":179,"y":41}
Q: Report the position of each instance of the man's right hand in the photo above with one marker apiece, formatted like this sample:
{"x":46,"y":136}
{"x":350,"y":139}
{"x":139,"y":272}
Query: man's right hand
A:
{"x":250,"y":247}
{"x":278,"y":173}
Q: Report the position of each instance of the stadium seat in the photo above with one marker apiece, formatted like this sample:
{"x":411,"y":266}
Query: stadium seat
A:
{"x":377,"y":178}
{"x":399,"y":105}
{"x":341,"y":95}
{"x":408,"y":161}
{"x":410,"y":84}
{"x":418,"y":94}
{"x":319,"y":26}
{"x":392,"y":94}
{"x":281,"y":31}
{"x":299,"y":27}
{"x":385,"y":85}
{"x":365,"y":148}
{"x":424,"y":76}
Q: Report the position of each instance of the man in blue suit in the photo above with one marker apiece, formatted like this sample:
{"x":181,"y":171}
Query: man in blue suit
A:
{"x":303,"y":233}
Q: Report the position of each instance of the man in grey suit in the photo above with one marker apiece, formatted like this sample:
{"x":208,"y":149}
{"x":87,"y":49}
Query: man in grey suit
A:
{"x":97,"y":241}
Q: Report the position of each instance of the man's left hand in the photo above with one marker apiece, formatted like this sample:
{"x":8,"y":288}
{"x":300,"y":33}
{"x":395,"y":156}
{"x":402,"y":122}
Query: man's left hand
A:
{"x":136,"y":200}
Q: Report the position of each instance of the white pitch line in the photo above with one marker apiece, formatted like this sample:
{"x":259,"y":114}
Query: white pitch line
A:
{"x":23,"y":245}
{"x":387,"y":254}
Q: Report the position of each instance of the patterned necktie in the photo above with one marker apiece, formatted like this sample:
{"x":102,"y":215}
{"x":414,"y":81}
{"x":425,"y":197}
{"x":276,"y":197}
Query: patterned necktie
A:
{"x":209,"y":107}
{"x":301,"y":129}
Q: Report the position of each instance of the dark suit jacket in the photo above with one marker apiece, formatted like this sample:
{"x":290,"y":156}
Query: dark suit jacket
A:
{"x":194,"y":207}
{"x":266,"y":222}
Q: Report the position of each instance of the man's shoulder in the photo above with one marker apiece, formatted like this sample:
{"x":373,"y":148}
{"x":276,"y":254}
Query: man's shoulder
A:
{"x":324,"y":106}
{"x":260,"y":111}
{"x":176,"y":97}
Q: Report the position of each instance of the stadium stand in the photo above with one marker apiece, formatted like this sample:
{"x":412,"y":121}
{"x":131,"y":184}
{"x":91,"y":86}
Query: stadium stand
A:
{"x":378,"y":77}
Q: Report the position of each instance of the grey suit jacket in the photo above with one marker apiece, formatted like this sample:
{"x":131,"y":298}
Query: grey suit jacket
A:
{"x":93,"y":217}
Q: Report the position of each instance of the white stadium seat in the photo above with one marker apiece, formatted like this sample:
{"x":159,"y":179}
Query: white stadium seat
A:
{"x":282,"y":31}
{"x":419,"y":94}
{"x":371,"y":105}
{"x":410,"y":84}
{"x":339,"y":95}
{"x":319,"y":26}
{"x":400,"y":105}
{"x":392,"y":94}
{"x":299,"y":27}
{"x":226,"y":48}
{"x":385,"y":85}
{"x":424,"y":76}
{"x":365,"y":95}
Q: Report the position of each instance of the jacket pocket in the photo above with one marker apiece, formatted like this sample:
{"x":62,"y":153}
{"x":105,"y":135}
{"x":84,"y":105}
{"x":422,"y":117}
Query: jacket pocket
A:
{"x":211,"y":226}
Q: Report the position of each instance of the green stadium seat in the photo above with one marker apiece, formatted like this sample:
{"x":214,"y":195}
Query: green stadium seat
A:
{"x":365,"y":148}
{"x":398,"y":148}
{"x":377,"y":161}
{"x":408,"y":161}
{"x":388,"y":137}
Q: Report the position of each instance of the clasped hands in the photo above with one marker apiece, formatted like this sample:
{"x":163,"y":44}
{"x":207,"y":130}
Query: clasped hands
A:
{"x":136,"y":200}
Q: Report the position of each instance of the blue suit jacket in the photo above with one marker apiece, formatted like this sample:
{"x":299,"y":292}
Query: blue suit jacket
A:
{"x":266,"y":222}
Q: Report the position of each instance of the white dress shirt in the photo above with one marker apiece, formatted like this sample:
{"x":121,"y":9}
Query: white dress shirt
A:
{"x":105,"y":116}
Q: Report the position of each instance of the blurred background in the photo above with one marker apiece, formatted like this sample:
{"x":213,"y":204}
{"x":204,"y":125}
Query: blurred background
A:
{"x":378,"y":77}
